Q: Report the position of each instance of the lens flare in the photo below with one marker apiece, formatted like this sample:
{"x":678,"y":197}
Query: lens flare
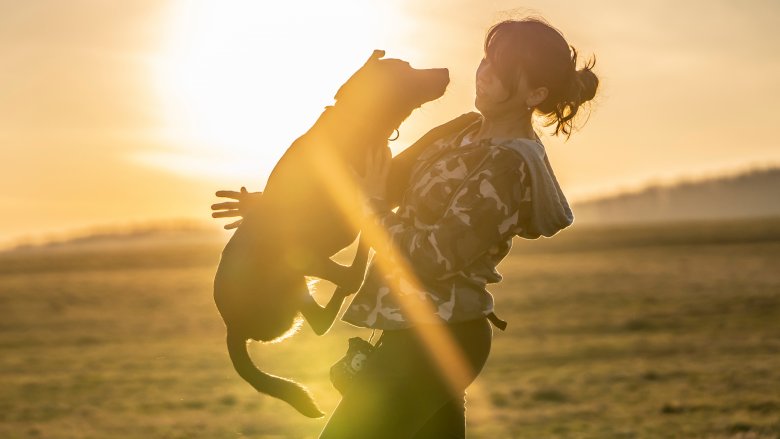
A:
{"x":341,"y":185}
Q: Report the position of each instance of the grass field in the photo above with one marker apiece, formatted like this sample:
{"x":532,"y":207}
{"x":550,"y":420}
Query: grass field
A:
{"x":666,"y":331}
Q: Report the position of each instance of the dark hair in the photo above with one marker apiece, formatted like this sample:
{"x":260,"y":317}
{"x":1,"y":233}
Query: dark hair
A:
{"x":533,"y":48}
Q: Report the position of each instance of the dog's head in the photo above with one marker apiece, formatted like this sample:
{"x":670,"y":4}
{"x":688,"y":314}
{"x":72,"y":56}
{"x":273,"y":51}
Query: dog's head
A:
{"x":391,"y":87}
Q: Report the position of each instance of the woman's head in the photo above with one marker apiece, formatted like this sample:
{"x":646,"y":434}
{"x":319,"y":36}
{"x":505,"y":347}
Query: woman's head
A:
{"x":529,"y":66}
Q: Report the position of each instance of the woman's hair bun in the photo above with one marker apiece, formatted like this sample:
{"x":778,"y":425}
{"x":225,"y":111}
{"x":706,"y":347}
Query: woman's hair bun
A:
{"x":588,"y":81}
{"x":582,"y":86}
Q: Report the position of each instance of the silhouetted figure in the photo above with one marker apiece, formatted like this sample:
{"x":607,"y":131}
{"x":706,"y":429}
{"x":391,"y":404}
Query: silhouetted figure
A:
{"x":303,"y":219}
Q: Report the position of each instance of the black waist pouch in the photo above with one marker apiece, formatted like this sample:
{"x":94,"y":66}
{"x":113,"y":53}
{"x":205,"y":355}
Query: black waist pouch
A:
{"x":343,"y":373}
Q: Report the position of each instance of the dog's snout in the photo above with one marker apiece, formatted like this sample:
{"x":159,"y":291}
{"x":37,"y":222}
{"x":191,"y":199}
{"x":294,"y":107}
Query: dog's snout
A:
{"x":441,"y":79}
{"x":445,"y":73}
{"x":441,"y":74}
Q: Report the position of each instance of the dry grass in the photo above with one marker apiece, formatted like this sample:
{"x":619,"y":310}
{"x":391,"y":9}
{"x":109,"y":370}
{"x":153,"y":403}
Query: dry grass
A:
{"x":651,"y":332}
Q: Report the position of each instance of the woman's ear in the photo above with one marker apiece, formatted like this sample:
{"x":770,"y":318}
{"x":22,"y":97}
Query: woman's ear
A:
{"x":537,"y":96}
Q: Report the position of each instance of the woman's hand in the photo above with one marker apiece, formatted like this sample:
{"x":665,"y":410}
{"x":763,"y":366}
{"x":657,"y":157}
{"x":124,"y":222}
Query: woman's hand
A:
{"x":374,"y":182}
{"x":244,"y":202}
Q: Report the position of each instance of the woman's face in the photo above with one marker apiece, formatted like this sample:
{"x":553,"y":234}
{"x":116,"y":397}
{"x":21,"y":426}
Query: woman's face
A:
{"x":492,"y":95}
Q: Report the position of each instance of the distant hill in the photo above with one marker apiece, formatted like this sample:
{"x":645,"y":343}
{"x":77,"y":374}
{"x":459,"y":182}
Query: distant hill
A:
{"x":753,"y":194}
{"x":747,"y":195}
{"x":123,"y":236}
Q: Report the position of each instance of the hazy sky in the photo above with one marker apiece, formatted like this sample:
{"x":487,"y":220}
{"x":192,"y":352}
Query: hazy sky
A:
{"x":115,"y":111}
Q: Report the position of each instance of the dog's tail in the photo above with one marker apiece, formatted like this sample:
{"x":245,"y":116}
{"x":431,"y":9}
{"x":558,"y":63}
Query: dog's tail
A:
{"x":286,"y":390}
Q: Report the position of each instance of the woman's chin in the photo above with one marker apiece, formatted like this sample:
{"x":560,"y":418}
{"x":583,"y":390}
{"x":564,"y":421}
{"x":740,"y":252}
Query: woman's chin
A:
{"x":479,"y":103}
{"x":486,"y":105}
{"x":485,"y":110}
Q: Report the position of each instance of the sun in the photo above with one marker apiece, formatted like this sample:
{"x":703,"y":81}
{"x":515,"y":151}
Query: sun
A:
{"x":238,"y":81}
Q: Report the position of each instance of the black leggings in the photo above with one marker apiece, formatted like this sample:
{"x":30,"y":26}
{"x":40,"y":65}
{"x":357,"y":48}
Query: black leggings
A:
{"x":401,"y":393}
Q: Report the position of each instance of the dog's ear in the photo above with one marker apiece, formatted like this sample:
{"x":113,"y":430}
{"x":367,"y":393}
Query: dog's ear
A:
{"x":375,"y":55}
{"x":351,"y":81}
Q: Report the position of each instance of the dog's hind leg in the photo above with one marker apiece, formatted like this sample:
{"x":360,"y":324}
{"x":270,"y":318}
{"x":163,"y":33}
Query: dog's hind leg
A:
{"x":347,"y":277}
{"x":341,"y":275}
{"x":321,"y":319}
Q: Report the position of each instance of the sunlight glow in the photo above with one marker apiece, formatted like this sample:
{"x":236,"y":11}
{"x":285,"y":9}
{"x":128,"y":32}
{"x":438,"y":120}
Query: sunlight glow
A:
{"x":241,"y":80}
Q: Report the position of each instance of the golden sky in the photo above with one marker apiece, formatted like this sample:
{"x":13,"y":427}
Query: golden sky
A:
{"x":118,"y":112}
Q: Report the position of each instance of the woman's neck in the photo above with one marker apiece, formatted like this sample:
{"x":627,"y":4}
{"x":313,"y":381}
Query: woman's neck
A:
{"x":506,"y":126}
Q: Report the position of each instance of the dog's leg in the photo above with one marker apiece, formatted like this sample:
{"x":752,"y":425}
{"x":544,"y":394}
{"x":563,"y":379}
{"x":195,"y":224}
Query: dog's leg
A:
{"x":341,"y":275}
{"x":321,"y":319}
{"x":347,"y":277}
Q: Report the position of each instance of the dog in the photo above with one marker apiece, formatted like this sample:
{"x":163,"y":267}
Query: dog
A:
{"x":300,"y":221}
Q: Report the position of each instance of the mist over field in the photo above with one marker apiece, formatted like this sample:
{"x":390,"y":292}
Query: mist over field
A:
{"x":623,"y":331}
{"x":747,"y":194}
{"x":741,"y":195}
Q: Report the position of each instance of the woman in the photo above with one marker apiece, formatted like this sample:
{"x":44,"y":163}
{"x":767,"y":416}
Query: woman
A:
{"x":461,"y":201}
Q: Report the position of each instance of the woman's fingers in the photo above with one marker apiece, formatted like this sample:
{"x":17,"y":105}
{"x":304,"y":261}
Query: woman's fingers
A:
{"x":386,"y":157}
{"x":233,"y":225}
{"x":226,"y":205}
{"x":229,"y":194}
{"x":379,"y":160}
{"x":237,"y":195}
{"x":226,"y":213}
{"x":377,"y":168}
{"x":381,"y":163}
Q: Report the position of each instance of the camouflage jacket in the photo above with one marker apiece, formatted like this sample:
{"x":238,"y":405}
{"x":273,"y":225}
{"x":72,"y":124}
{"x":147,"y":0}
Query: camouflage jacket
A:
{"x":456,"y":220}
{"x":463,"y":204}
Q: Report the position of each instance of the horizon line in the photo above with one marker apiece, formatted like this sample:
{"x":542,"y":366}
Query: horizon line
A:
{"x":131,"y":227}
